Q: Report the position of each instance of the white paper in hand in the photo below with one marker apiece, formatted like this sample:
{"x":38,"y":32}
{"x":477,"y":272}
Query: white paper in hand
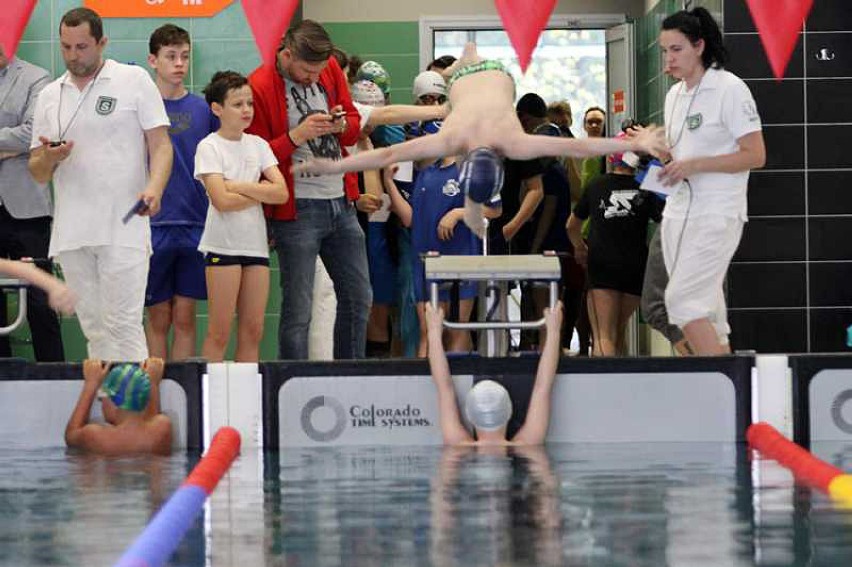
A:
{"x":405,"y":172}
{"x":383,"y":213}
{"x":652,"y":182}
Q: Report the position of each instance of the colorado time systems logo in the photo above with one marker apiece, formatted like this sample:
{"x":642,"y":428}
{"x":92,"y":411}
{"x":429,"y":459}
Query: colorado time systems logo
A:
{"x":358,"y":416}
{"x":837,"y":416}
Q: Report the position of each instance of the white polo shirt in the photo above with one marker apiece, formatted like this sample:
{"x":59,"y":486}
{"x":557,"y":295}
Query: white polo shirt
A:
{"x":707,"y":121}
{"x":100,"y":181}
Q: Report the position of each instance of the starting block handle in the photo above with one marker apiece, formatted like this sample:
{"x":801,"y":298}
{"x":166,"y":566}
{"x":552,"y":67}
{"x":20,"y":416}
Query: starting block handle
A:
{"x":22,"y":304}
{"x":496,"y":325}
{"x":478,"y":326}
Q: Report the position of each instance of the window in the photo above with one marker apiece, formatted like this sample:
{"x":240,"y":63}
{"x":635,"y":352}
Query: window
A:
{"x":569,"y":62}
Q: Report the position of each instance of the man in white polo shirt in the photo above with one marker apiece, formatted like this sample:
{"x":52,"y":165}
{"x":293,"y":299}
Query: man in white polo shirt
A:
{"x":100,"y":133}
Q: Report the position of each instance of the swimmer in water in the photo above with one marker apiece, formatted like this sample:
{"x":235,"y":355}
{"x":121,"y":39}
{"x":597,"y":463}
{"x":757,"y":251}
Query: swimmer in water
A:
{"x":488,"y":405}
{"x":130,"y":400}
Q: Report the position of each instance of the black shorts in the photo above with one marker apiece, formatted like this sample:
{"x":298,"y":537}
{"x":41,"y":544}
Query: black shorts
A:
{"x":212,"y":260}
{"x":625,"y":279}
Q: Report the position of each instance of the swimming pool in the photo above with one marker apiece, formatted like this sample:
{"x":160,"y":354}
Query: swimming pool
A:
{"x":638,"y":504}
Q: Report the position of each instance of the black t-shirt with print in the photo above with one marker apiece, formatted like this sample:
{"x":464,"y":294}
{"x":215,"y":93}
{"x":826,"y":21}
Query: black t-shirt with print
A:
{"x":619,"y":213}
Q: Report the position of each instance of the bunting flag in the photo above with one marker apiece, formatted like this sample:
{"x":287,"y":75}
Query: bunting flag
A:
{"x":524,"y":20}
{"x":13,"y":21}
{"x":269,"y":19}
{"x":778,"y":23}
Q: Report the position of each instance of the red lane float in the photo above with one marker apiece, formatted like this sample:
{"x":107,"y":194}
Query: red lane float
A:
{"x":805,"y":467}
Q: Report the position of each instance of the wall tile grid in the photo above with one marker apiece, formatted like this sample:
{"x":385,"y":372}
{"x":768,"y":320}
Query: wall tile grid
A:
{"x":786,"y":284}
{"x":787,"y":289}
{"x":221,"y":42}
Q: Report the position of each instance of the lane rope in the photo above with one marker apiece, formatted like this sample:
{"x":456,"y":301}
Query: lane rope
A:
{"x":164,"y":532}
{"x":807,"y":468}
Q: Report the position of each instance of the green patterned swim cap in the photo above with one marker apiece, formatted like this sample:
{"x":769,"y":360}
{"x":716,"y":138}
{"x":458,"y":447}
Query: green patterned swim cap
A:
{"x":372,"y":71}
{"x":128,"y":386}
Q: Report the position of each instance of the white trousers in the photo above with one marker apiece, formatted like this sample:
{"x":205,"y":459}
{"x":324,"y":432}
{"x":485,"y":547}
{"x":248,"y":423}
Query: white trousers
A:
{"x":110,"y":282}
{"x":323,"y":316}
{"x":697,"y":253}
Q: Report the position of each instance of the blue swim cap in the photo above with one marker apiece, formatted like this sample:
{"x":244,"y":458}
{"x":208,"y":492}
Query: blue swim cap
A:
{"x":128,"y":386}
{"x":481,"y":176}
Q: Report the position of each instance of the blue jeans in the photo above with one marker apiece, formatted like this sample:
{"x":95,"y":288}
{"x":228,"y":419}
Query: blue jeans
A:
{"x":328,"y":228}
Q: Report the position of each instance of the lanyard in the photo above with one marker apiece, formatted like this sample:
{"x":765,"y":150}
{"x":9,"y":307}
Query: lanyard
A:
{"x":89,"y":88}
{"x":685,"y":116}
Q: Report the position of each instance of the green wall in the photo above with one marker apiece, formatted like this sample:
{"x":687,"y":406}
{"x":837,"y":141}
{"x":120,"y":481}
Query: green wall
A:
{"x":220,"y":42}
{"x":393,"y":44}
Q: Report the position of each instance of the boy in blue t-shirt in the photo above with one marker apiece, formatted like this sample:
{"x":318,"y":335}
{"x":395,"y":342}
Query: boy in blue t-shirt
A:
{"x":433,"y":211}
{"x":176,"y":276}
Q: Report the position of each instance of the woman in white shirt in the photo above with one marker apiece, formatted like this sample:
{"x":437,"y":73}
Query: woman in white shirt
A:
{"x":714,"y":136}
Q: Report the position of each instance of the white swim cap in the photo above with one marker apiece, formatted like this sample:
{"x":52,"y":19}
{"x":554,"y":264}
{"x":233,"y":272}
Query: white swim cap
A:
{"x":488,"y":406}
{"x":429,"y":83}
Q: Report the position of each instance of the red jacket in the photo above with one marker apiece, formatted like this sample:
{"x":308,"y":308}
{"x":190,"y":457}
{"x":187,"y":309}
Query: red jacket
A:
{"x":271,"y":123}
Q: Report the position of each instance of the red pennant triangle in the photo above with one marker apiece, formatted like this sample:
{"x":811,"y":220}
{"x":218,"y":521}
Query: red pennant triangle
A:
{"x":13,"y":21}
{"x":524,"y":20}
{"x":779,"y":22}
{"x":269,"y":19}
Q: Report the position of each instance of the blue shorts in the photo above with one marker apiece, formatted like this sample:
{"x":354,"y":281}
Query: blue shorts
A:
{"x":467,"y":290}
{"x":382,"y":268}
{"x":177,"y":267}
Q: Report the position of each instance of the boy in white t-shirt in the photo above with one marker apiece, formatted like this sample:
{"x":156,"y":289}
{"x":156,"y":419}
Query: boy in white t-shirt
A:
{"x":239,"y":172}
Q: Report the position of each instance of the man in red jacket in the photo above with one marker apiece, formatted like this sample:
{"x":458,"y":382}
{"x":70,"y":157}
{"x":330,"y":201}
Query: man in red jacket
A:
{"x":302,"y":107}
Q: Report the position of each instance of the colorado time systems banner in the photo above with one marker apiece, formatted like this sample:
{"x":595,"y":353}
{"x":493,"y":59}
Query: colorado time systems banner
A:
{"x":361,"y":410}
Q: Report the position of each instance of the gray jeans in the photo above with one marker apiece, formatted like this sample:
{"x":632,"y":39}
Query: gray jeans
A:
{"x":654,"y":292}
{"x":328,"y":228}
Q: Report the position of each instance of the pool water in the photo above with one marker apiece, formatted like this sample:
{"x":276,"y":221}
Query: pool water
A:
{"x":657,"y":504}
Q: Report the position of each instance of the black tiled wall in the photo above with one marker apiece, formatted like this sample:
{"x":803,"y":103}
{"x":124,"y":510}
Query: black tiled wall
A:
{"x":790,"y":284}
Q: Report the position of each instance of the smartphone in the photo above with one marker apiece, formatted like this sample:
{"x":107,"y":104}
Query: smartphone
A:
{"x":337,"y":116}
{"x":56,"y":143}
{"x":138,"y":207}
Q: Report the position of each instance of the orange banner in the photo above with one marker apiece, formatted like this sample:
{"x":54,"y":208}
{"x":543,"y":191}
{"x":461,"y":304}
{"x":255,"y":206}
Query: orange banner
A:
{"x":157,"y":8}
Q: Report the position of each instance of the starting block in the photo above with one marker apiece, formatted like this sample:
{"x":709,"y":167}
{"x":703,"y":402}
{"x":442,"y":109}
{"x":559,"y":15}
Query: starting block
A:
{"x":494,"y":273}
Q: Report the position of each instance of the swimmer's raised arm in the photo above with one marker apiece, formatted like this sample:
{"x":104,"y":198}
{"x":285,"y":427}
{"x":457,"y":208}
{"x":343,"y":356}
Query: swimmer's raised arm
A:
{"x":404,"y":113}
{"x":526,"y":146}
{"x":452,"y":429}
{"x":78,"y":431}
{"x":425,"y":147}
{"x":60,"y":297}
{"x":534,"y":430}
